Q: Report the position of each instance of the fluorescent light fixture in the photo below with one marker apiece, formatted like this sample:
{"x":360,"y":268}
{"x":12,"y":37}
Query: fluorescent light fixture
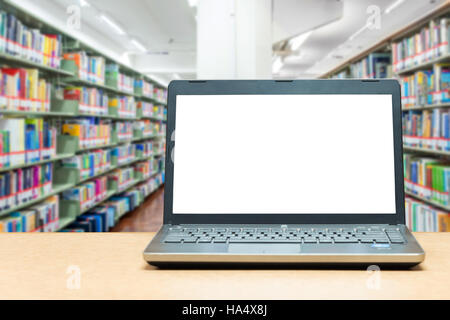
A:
{"x":193,"y":3}
{"x":84,"y":3}
{"x":393,"y":6}
{"x":138,"y":45}
{"x":112,"y":24}
{"x":277,"y":65}
{"x":297,"y":41}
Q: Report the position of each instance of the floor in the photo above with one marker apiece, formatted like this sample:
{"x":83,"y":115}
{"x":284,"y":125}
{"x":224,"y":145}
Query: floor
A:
{"x":148,"y":217}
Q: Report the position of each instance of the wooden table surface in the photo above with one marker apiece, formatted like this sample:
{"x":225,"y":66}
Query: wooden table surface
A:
{"x":110,"y":266}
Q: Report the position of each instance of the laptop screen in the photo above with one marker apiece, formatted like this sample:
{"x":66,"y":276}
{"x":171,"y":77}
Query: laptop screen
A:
{"x":284,"y":154}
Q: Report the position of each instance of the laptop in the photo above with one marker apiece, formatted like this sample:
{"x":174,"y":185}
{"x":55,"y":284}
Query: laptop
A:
{"x":268,"y":172}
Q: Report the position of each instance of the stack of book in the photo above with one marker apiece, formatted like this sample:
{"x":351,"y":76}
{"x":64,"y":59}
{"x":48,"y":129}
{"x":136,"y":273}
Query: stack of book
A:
{"x":145,"y":149}
{"x":90,"y":68}
{"x":159,"y":146}
{"x":421,"y":217}
{"x":429,"y":178}
{"x":124,"y":130}
{"x":158,"y":111}
{"x":149,"y":186}
{"x":22,"y":90}
{"x":91,"y":100}
{"x":89,"y":164}
{"x":125,"y":106}
{"x":144,"y":87}
{"x":42,"y":217}
{"x":24,"y":185}
{"x":124,"y":153}
{"x":91,"y":132}
{"x":28,"y":43}
{"x":87,"y":194}
{"x":160,"y":94}
{"x":146,"y":168}
{"x":24,"y":141}
{"x":427,"y":129}
{"x":147,"y":127}
{"x":375,"y":65}
{"x":126,"y":83}
{"x":431,"y":42}
{"x":123,"y":177}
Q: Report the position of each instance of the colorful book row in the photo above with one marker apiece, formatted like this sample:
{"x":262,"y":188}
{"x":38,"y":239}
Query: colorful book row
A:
{"x":87,"y":194}
{"x":91,"y":132}
{"x":421,"y":217}
{"x":429,"y":178}
{"x":23,"y":185}
{"x":29,"y":43}
{"x":90,"y":68}
{"x":429,"y":129}
{"x":91,"y":100}
{"x":430,"y":43}
{"x":26,"y":141}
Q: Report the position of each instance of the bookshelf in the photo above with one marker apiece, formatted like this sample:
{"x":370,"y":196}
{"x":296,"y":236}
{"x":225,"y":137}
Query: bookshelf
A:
{"x":58,"y":74}
{"x":418,"y":56}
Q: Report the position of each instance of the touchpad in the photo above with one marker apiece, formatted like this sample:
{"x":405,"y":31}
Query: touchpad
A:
{"x":269,"y":248}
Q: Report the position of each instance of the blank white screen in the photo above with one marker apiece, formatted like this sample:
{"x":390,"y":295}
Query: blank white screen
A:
{"x":283,"y":154}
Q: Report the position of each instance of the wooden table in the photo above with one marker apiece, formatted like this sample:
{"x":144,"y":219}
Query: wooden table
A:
{"x":110,"y":265}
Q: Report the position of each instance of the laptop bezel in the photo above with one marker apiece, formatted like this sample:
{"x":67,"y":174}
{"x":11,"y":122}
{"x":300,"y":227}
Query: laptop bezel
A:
{"x":224,"y":87}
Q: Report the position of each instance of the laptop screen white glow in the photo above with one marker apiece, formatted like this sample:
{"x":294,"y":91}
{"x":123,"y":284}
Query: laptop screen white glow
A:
{"x":284,"y":154}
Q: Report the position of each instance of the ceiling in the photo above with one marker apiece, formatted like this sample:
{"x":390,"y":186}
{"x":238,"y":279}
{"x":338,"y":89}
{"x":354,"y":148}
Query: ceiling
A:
{"x":167,"y":30}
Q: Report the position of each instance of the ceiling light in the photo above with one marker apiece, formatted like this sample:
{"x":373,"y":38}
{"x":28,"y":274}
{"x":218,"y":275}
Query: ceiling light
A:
{"x":277,"y":65}
{"x":112,"y":24}
{"x":299,"y":40}
{"x":138,"y":45}
{"x":193,"y":3}
{"x":393,"y":6}
{"x":84,"y":3}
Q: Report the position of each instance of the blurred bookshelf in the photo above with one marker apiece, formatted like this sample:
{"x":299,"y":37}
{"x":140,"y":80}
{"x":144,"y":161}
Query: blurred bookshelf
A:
{"x":69,"y":116}
{"x":418,"y":56}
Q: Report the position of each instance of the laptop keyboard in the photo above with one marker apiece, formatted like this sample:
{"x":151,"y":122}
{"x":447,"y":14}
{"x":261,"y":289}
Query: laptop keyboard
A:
{"x":285,"y":235}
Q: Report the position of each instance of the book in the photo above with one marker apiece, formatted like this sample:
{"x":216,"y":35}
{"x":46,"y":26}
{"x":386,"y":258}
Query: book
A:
{"x":87,"y":194}
{"x":124,"y":130}
{"x":427,"y":177}
{"x":124,"y":153}
{"x":421,"y":217}
{"x":18,"y":39}
{"x":124,"y":106}
{"x":91,"y":100}
{"x":90,"y":68}
{"x":144,"y":88}
{"x":91,"y":132}
{"x":427,"y":44}
{"x":427,"y":129}
{"x":89,"y":164}
{"x":22,"y":89}
{"x":145,"y":148}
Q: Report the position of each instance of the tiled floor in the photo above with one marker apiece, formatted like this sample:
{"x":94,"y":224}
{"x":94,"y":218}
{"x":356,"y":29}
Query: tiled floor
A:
{"x":148,"y":217}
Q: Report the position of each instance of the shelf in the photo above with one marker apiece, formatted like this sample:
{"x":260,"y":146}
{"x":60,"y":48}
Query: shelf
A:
{"x":52,"y":159}
{"x":27,"y":63}
{"x":429,"y":106}
{"x":425,"y":65}
{"x":430,"y":202}
{"x":429,"y":151}
{"x":56,"y":189}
